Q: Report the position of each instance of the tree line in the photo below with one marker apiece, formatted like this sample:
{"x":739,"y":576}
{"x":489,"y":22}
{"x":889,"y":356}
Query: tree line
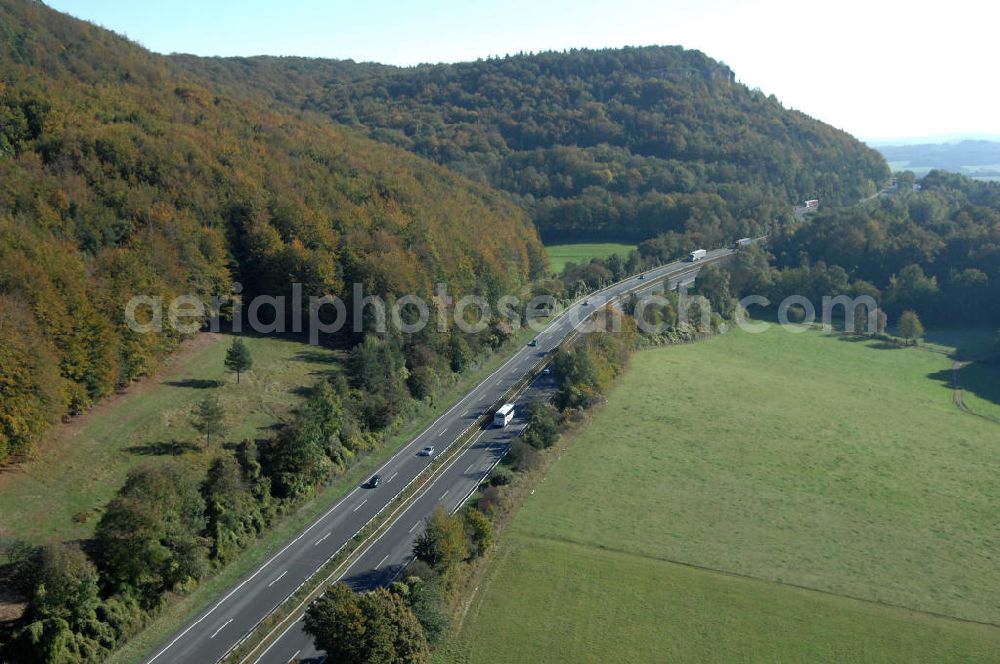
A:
{"x":173,"y":523}
{"x":935,"y":251}
{"x":404,"y":622}
{"x":124,"y":176}
{"x":619,"y":144}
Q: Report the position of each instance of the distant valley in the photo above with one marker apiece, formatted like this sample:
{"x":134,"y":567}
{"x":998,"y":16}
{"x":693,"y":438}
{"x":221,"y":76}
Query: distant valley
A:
{"x":978,"y":159}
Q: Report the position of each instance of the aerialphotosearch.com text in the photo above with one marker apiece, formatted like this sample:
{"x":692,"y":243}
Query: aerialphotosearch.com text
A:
{"x":328,"y":314}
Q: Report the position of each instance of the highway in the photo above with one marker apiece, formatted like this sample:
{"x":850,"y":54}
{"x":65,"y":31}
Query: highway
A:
{"x":221,"y":627}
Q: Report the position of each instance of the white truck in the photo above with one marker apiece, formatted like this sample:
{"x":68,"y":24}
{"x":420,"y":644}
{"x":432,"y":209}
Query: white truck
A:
{"x":504,"y":415}
{"x":697,"y":255}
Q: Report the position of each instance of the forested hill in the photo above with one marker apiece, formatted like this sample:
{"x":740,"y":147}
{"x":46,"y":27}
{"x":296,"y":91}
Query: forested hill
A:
{"x":620,"y":144}
{"x":122,"y":175}
{"x":935,"y":251}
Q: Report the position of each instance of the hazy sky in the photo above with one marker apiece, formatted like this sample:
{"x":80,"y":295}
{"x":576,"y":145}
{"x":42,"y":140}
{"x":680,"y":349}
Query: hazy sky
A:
{"x":876,"y":68}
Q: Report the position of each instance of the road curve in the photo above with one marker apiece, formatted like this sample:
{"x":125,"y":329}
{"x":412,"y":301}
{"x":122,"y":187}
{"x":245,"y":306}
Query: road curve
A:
{"x":218,"y":629}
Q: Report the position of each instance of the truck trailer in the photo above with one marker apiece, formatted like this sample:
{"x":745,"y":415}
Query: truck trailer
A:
{"x":697,"y":255}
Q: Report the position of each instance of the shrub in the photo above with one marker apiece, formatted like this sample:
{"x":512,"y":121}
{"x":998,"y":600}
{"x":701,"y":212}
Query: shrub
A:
{"x":796,"y":314}
{"x":500,"y":477}
{"x":523,"y":457}
{"x":478,"y":532}
{"x":420,"y":569}
{"x":489,"y":500}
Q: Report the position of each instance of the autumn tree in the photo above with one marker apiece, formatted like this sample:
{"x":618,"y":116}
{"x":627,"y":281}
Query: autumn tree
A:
{"x":296,"y":459}
{"x":150,"y":535}
{"x":443,"y":543}
{"x":65,"y":585}
{"x":909,"y":326}
{"x":368,"y":628}
{"x":713,"y":283}
{"x":60,"y":623}
{"x":233,"y":511}
{"x":238,"y":358}
{"x":426,"y":600}
{"x":863,"y":319}
{"x":543,"y":425}
{"x":478,"y":531}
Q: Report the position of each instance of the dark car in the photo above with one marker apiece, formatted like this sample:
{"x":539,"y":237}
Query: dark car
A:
{"x":533,"y":342}
{"x":586,"y":303}
{"x":374,"y":481}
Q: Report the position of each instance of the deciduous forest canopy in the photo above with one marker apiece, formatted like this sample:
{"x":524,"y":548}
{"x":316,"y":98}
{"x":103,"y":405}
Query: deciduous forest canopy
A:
{"x":127,"y":173}
{"x":123,"y":175}
{"x":615,"y":144}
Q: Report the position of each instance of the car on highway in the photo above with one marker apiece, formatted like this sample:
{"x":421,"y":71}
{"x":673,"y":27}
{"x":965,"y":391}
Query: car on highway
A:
{"x":374,"y":481}
{"x":533,"y":342}
{"x":586,"y":303}
{"x":641,"y":277}
{"x":427,"y":451}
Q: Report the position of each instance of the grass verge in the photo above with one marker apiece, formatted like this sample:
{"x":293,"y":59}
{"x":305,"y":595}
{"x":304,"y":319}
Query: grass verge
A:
{"x":182,"y":608}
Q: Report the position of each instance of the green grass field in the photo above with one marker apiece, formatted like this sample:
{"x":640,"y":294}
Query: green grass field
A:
{"x":560,"y":254}
{"x":86,"y":462}
{"x":798,"y":463}
{"x":172,"y":617}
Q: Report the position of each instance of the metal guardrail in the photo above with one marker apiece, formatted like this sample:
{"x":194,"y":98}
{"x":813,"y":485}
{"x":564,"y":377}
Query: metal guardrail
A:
{"x":399,"y":502}
{"x":443,"y":461}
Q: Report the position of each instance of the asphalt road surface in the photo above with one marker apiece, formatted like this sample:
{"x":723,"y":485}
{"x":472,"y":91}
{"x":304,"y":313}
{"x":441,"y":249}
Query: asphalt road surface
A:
{"x":218,"y":629}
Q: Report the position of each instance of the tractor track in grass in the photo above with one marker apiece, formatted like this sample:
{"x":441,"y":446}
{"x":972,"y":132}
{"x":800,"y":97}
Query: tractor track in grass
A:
{"x":957,"y":393}
{"x":751,"y":577}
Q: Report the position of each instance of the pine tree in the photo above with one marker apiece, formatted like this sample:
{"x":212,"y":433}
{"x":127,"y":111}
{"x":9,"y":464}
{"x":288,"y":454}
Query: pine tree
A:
{"x":238,"y":358}
{"x":208,"y":418}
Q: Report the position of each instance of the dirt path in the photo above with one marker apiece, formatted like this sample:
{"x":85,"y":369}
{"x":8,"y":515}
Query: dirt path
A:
{"x":60,"y":434}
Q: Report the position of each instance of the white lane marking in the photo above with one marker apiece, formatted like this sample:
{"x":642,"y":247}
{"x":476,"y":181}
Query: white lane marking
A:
{"x":221,"y":628}
{"x":250,"y":578}
{"x":382,"y":561}
{"x":278,"y":579}
{"x":393,"y":477}
{"x":557,"y":323}
{"x":360,"y":505}
{"x":412,"y":528}
{"x":444,"y":494}
{"x":471,"y":466}
{"x":280,"y":636}
{"x":320,"y":540}
{"x":292,"y":658}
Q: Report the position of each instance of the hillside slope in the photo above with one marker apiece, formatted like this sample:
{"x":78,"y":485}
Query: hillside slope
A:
{"x":123,"y":176}
{"x":616,"y":144}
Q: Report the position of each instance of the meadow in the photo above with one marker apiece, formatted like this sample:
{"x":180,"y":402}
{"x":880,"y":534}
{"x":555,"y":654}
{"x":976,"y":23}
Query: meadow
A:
{"x":772,"y":497}
{"x":560,"y":254}
{"x":59,"y":495}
